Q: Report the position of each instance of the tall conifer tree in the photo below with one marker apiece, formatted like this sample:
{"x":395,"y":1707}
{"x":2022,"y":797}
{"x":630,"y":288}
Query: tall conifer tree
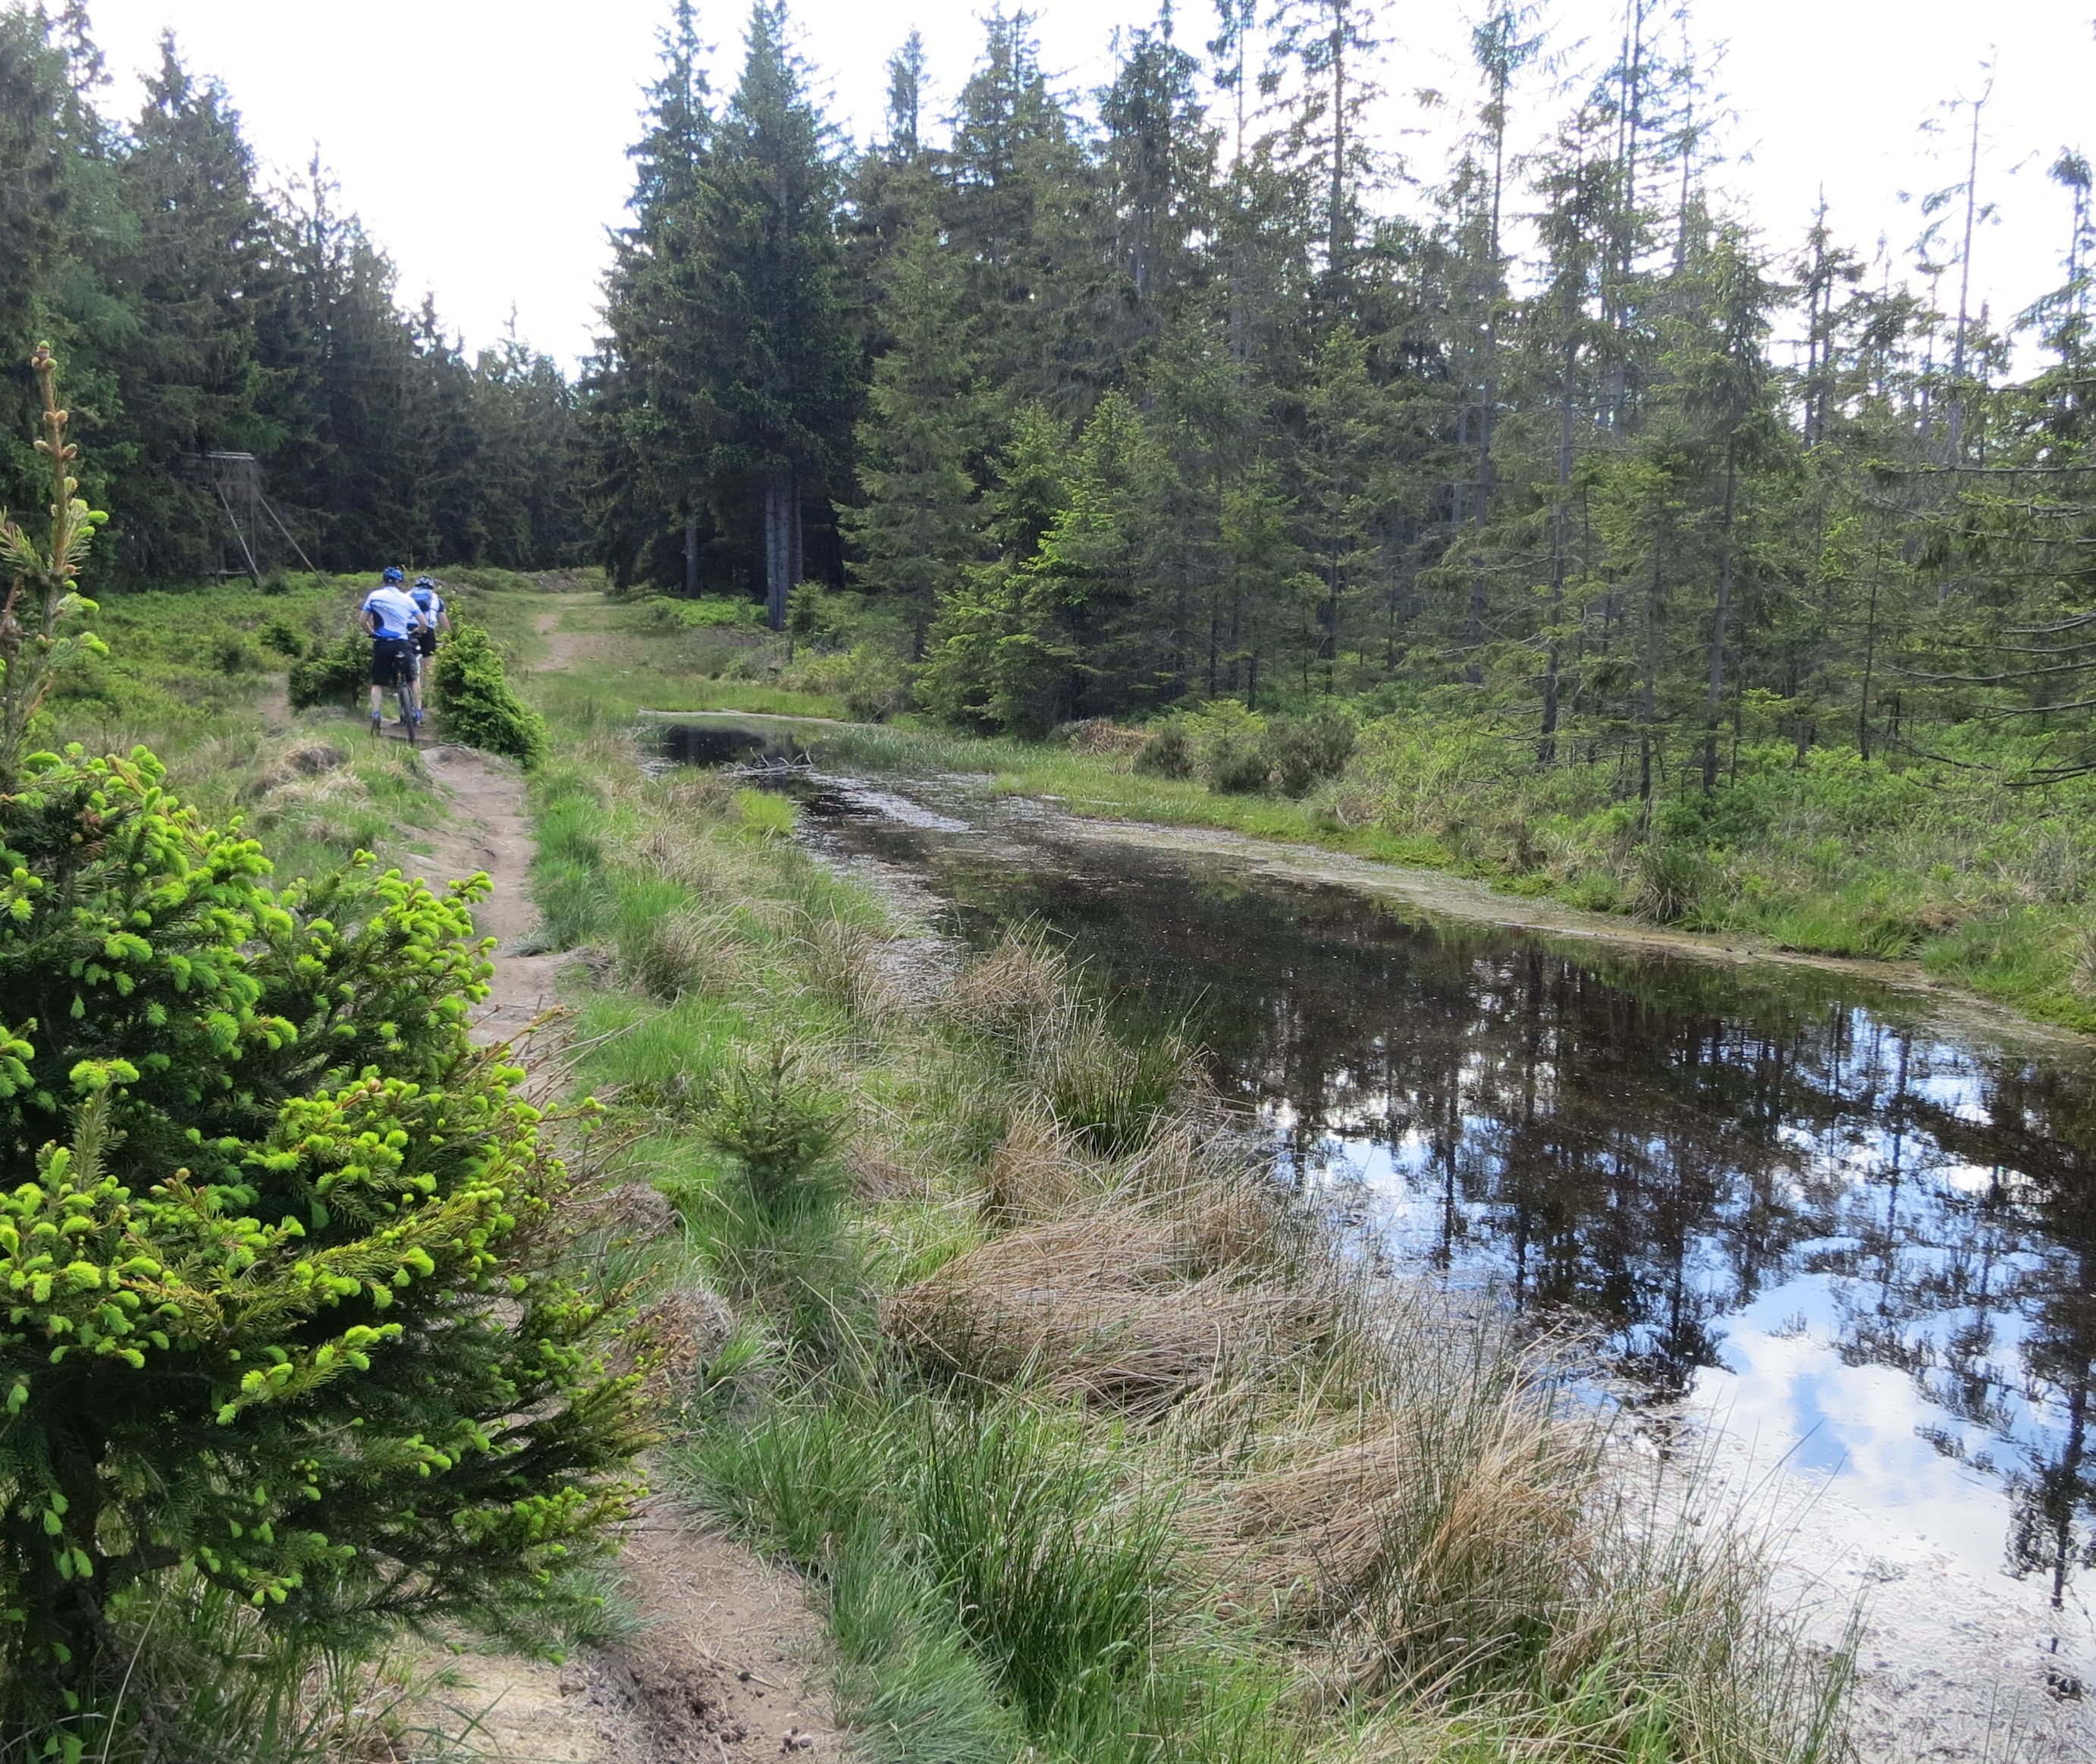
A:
{"x":771,"y":358}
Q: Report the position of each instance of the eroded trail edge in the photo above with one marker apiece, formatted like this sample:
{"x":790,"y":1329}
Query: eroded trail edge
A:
{"x":726,"y":1663}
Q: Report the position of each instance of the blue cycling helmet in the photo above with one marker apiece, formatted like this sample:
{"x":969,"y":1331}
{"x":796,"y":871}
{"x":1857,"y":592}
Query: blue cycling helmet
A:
{"x":394,"y":573}
{"x":425,"y":582}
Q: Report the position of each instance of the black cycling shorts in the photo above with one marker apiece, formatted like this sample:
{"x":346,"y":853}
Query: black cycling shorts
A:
{"x":392,"y":662}
{"x":425,"y":641}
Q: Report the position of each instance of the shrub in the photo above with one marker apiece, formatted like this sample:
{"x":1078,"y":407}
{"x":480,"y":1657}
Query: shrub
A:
{"x":1230,"y":748}
{"x":262,"y":1196}
{"x":1167,"y":753}
{"x":232,"y":653}
{"x":780,"y":1126}
{"x":334,"y":674}
{"x":281,"y":636}
{"x":472,"y":693}
{"x":872,"y":682}
{"x":1302,"y":752}
{"x":286,"y":1315}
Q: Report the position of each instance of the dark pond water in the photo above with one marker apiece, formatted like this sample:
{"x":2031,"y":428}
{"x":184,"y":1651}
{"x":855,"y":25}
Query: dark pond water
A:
{"x":1870,"y":1240}
{"x":722,"y":745}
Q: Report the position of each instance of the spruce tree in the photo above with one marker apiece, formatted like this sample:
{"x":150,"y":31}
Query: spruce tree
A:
{"x":920,"y":525}
{"x":769,"y":359}
{"x":199,"y":263}
{"x":1158,"y":169}
{"x":34,"y":200}
{"x":1324,"y":52}
{"x":651,"y":416}
{"x":1017,"y":210}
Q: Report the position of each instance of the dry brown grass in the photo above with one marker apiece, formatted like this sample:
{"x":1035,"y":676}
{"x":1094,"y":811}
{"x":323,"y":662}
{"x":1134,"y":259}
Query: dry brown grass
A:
{"x":657,"y":841}
{"x":1131,"y":1283}
{"x":304,"y":757}
{"x":1105,"y":739}
{"x":1017,"y":991}
{"x":847,"y":962}
{"x":1417,"y":1541}
{"x":1037,"y":1308}
{"x":1037,"y":1174}
{"x":1387,"y":1477}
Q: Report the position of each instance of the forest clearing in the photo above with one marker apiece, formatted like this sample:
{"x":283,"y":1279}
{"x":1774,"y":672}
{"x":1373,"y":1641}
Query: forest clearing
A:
{"x":1167,"y":940}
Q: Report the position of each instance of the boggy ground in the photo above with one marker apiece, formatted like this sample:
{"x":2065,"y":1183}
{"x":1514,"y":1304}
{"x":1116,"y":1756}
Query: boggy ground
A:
{"x":1978,"y":884}
{"x":1077,"y":1444}
{"x":1090,"y":1444}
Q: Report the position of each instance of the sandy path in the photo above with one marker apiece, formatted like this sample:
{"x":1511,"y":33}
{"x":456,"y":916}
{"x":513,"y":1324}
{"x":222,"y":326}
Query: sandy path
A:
{"x":726,"y":1668}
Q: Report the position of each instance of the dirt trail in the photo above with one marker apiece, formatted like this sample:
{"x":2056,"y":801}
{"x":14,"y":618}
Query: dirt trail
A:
{"x":725,"y":1667}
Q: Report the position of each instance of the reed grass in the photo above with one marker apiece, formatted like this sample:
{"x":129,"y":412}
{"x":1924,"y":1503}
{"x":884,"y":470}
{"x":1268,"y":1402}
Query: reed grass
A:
{"x":1096,"y":1440}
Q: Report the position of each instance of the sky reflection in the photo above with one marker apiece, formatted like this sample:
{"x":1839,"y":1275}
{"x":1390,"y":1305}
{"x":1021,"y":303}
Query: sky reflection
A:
{"x":1871,"y":1241}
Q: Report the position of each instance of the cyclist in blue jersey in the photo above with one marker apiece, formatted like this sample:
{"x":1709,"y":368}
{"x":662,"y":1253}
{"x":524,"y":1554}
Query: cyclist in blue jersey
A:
{"x":395,"y":621}
{"x":434,"y":618}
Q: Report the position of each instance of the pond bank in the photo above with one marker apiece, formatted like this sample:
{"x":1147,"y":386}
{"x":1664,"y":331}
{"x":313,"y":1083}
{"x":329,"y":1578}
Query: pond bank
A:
{"x":1444,"y":892}
{"x":1020,"y":1295}
{"x":1779,"y":1194}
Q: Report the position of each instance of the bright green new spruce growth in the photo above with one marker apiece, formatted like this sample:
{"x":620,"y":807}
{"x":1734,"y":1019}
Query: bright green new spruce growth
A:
{"x":282,"y":1307}
{"x":34,"y":644}
{"x":479,"y":707}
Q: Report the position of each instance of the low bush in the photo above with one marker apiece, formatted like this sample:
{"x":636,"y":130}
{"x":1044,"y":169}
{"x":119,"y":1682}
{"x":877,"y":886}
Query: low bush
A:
{"x":281,"y":636}
{"x":1167,"y":753}
{"x":1230,"y":748}
{"x":290,"y":1324}
{"x":1301,"y":752}
{"x":232,"y":652}
{"x":288,"y":1189}
{"x":333,"y":674}
{"x":471,"y":691}
{"x":709,"y":612}
{"x":873,"y":682}
{"x":779,"y":1123}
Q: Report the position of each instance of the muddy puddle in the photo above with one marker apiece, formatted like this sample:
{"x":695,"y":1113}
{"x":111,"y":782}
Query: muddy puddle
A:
{"x":1840,"y":1232}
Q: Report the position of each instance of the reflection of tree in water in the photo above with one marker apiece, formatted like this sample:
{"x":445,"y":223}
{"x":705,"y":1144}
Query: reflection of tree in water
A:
{"x":2030,"y":1141}
{"x":1654,"y":1143}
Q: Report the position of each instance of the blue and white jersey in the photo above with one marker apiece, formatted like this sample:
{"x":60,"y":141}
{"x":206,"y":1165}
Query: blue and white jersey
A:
{"x":394,"y":611}
{"x":432,"y":604}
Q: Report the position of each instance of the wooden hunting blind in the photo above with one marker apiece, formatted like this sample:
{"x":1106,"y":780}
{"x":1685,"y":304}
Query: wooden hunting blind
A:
{"x":236,"y":480}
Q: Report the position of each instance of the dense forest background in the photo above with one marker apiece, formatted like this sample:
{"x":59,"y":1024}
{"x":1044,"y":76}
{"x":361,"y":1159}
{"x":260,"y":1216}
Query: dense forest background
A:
{"x":1094,"y":405}
{"x":197,"y":310}
{"x":1107,"y":406}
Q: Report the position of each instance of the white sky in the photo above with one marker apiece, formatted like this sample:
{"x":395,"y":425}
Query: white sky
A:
{"x":483,"y":141}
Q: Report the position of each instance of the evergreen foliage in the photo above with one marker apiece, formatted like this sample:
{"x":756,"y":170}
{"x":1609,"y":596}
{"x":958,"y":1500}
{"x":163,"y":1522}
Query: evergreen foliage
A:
{"x":288,"y":1316}
{"x":730,"y":378}
{"x":1164,"y":404}
{"x":334,"y":674}
{"x":197,"y":311}
{"x":471,"y":693}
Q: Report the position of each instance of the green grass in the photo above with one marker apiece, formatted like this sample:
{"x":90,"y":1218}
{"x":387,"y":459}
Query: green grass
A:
{"x":1983,"y":887}
{"x":1005,"y":1568}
